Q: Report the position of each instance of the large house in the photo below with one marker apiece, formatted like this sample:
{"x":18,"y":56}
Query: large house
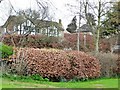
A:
{"x":22,"y":25}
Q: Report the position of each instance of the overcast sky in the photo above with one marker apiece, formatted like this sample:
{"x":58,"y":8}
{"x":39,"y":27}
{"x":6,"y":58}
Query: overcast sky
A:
{"x":59,"y":7}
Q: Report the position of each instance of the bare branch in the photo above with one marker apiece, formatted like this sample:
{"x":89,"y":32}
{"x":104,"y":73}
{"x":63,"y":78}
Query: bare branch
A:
{"x":43,"y":9}
{"x":93,"y":8}
{"x":12,"y":6}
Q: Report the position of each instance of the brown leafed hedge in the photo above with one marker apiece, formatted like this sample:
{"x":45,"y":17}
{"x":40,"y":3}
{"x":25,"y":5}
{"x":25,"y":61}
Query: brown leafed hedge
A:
{"x":55,"y":64}
{"x":42,"y":41}
{"x":32,"y":41}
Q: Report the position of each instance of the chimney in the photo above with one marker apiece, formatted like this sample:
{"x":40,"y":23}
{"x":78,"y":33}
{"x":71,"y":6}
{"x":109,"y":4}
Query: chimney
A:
{"x":60,"y":21}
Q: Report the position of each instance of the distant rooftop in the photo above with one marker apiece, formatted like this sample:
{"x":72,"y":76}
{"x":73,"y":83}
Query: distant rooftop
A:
{"x":85,"y":28}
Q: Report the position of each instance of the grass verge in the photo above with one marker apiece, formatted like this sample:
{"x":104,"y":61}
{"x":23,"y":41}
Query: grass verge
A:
{"x":98,"y":83}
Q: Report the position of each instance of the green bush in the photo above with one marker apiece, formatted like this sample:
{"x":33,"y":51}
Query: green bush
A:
{"x":35,"y":77}
{"x":5,"y":50}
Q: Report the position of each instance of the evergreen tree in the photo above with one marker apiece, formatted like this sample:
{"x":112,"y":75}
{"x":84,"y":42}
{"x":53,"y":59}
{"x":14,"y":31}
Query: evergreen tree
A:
{"x":111,"y":24}
{"x":72,"y":26}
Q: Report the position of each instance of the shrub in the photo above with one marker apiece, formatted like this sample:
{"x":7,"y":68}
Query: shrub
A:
{"x":6,"y":50}
{"x":55,"y":64}
{"x":107,"y":62}
{"x":38,"y":77}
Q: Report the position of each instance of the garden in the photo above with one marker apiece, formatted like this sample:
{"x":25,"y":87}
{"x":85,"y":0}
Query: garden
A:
{"x":29,"y":65}
{"x":60,"y":44}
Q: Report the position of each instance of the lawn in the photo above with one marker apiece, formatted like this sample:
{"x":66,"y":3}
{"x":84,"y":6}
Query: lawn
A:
{"x":99,"y":83}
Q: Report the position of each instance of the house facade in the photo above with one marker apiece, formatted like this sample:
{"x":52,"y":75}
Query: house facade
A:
{"x":21,"y":25}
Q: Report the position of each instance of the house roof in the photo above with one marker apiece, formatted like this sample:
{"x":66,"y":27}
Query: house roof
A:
{"x":85,"y":28}
{"x":14,"y":19}
{"x":45,"y":23}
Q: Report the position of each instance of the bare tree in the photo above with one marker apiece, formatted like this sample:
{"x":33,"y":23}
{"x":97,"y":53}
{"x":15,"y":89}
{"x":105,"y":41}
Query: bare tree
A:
{"x":93,"y":13}
{"x":100,"y":10}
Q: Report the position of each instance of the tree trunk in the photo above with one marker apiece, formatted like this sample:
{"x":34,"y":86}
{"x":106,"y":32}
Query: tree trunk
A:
{"x":78,"y":36}
{"x":97,"y":41}
{"x":98,"y":29}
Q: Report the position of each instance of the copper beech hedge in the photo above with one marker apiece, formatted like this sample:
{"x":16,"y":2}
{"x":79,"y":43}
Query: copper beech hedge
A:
{"x":55,"y":64}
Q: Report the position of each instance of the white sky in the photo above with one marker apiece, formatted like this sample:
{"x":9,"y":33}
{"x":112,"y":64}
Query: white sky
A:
{"x":61,"y":10}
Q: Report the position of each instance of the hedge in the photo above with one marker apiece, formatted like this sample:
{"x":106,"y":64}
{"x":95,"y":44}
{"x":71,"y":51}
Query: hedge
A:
{"x":55,"y":64}
{"x":69,"y":41}
{"x":32,"y":41}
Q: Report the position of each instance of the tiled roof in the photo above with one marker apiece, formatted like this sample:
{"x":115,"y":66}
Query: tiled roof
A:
{"x":85,"y":28}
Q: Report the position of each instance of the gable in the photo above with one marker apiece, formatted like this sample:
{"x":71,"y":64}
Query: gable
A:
{"x":11,"y":19}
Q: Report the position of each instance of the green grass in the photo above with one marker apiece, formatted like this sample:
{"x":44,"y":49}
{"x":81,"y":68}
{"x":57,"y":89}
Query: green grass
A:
{"x":98,"y":83}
